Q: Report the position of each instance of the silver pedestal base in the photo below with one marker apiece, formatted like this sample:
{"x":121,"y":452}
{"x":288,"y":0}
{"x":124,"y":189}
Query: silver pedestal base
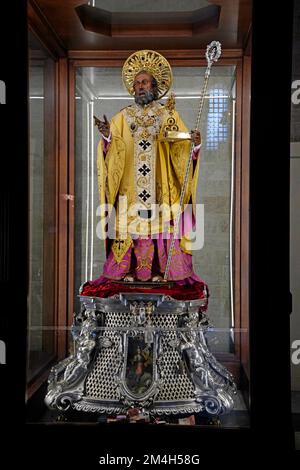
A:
{"x":146,"y":351}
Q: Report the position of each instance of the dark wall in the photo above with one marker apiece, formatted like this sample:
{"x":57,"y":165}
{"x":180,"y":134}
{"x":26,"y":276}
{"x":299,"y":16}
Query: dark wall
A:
{"x":295,"y":107}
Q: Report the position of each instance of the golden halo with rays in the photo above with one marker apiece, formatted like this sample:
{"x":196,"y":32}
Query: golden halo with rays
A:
{"x":153,"y":63}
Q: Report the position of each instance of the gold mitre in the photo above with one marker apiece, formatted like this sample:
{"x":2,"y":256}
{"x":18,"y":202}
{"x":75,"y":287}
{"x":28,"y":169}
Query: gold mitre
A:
{"x":151,"y":62}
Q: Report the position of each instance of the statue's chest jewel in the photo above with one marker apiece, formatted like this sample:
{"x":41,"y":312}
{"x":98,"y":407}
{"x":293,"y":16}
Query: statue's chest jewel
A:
{"x":145,"y":120}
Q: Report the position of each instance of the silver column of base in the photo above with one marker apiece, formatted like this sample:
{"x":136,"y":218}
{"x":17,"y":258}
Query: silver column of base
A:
{"x":146,"y":351}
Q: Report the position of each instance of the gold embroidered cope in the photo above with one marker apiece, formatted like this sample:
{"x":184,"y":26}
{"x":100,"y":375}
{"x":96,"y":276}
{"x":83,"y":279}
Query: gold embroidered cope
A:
{"x":141,"y":169}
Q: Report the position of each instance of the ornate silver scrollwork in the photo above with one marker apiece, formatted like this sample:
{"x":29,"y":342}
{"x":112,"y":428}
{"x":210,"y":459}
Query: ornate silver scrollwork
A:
{"x":138,"y":381}
{"x":66,"y":380}
{"x":214,"y":385}
{"x":143,"y":350}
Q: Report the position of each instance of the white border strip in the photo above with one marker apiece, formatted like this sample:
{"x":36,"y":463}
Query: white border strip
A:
{"x":231,"y":214}
{"x":92,"y":186}
{"x":87,"y":191}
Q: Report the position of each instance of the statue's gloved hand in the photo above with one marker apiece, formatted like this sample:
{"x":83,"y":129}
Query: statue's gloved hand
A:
{"x":103,"y":126}
{"x":196,"y":137}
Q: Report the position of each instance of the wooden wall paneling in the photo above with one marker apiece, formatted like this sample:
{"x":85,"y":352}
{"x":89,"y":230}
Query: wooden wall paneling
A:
{"x":248,"y":43}
{"x":50,"y":213}
{"x":50,"y":190}
{"x":115,"y":55}
{"x":40,"y":26}
{"x":174,"y":62}
{"x":235,"y":17}
{"x":71,"y":241}
{"x":53,"y":255}
{"x":62,"y":271}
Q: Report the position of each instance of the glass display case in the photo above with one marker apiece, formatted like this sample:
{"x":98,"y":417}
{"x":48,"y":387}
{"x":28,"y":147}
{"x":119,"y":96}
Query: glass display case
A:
{"x":99,"y":91}
{"x":75,"y":73}
{"x":42,"y":210}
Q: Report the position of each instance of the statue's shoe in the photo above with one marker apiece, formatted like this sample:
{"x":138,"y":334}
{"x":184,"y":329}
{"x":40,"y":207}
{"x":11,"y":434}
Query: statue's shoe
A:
{"x":129,"y":278}
{"x":157,"y":278}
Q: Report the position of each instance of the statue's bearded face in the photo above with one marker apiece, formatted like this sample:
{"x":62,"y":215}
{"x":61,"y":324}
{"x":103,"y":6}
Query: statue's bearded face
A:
{"x":143,"y":88}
